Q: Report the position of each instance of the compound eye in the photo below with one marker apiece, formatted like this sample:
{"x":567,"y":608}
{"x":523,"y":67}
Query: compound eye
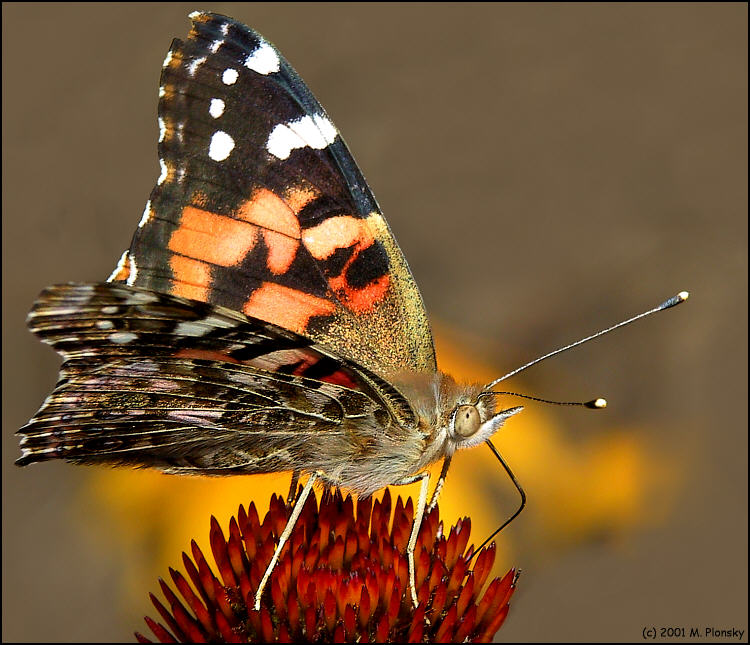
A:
{"x":467,"y":420}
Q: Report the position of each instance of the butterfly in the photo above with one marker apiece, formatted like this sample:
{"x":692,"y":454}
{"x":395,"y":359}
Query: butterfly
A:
{"x":263,"y":318}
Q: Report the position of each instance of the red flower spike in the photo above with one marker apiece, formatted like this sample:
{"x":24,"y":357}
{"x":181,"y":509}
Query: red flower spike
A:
{"x":278,"y":597}
{"x":266,"y":625}
{"x":224,"y":602}
{"x":445,"y":630}
{"x":204,"y":571}
{"x":364,"y":607}
{"x":253,"y":618}
{"x":493,"y":598}
{"x":482,"y":567}
{"x":394,"y":605}
{"x":350,"y":548}
{"x":442,"y":548}
{"x":417,"y":626}
{"x":466,"y":595}
{"x":438,"y":602}
{"x":350,"y":623}
{"x":225,"y":630}
{"x":195,"y":577}
{"x":401,"y":530}
{"x":340,"y":578}
{"x":398,"y":511}
{"x":311,"y":624}
{"x":457,"y":575}
{"x":422,"y":567}
{"x":284,"y":636}
{"x":462,"y":537}
{"x":382,"y":630}
{"x":188,"y":625}
{"x":495,"y":624}
{"x":199,"y":609}
{"x":466,"y":626}
{"x":219,"y":549}
{"x":506,"y":586}
{"x":172,"y":600}
{"x":159,"y":631}
{"x":253,"y":522}
{"x":168,"y":618}
{"x":336,"y":555}
{"x":293,"y":612}
{"x":329,"y":610}
{"x":364,"y":508}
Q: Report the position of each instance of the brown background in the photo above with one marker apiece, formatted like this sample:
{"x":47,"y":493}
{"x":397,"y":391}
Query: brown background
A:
{"x":546,"y":169}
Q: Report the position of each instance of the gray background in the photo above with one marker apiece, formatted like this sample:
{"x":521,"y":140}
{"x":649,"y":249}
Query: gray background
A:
{"x":547,"y":170}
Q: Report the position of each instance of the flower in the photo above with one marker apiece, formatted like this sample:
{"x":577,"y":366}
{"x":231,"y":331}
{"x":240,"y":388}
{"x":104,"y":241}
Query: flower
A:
{"x":340,"y":578}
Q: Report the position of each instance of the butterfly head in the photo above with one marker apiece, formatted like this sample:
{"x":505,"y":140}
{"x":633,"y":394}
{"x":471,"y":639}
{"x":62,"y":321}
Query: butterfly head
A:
{"x":474,"y":423}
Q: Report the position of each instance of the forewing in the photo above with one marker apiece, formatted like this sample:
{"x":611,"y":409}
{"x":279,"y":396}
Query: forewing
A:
{"x":260,"y":207}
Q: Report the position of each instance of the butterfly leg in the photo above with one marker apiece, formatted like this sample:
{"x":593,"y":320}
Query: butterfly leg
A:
{"x":293,"y":488}
{"x":298,"y":506}
{"x":439,"y":485}
{"x":418,"y":515}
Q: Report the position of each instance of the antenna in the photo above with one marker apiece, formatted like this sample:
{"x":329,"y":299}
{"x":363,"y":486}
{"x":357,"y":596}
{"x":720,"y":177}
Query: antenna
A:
{"x":594,"y":404}
{"x":673,"y":301}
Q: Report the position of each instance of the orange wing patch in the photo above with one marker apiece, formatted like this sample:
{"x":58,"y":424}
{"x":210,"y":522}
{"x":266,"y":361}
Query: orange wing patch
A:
{"x":337,"y":233}
{"x":191,"y":278}
{"x":342,"y":232}
{"x":269,"y":211}
{"x":288,"y":308}
{"x":216,"y":239}
{"x":281,"y":251}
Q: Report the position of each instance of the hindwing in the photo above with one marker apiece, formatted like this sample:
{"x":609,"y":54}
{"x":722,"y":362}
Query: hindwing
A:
{"x":159,"y":380}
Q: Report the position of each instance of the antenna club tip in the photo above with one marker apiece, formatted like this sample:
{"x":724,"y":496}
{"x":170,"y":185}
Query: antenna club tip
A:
{"x":674,"y":300}
{"x":596,"y":404}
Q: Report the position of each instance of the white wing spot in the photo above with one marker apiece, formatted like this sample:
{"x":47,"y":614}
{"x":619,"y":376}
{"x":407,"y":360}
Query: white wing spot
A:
{"x":167,"y":59}
{"x":162,"y":130}
{"x":264,"y":59}
{"x":162,"y":91}
{"x":316,"y":132}
{"x":194,"y":65}
{"x":122,"y":337}
{"x":146,"y":215}
{"x":119,"y":267}
{"x":141,"y":298}
{"x":221,"y":146}
{"x":110,"y":310}
{"x":214,"y":46}
{"x":105,"y":324}
{"x":216,"y":109}
{"x":326,"y":128}
{"x":133,"y":271}
{"x":164,"y":172}
{"x":229,"y":77}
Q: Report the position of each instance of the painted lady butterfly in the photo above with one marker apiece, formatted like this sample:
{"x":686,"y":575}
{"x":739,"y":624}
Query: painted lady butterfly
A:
{"x":263,"y":318}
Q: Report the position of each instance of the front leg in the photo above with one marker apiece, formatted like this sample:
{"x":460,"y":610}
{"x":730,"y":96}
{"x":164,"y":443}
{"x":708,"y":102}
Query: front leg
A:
{"x":418,"y":515}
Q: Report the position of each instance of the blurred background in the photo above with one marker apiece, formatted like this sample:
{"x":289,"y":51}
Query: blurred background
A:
{"x":547,"y":170}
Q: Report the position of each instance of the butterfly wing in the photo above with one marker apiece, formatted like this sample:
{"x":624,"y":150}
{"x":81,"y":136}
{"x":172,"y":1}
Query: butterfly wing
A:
{"x":261,"y":208}
{"x":158,"y":380}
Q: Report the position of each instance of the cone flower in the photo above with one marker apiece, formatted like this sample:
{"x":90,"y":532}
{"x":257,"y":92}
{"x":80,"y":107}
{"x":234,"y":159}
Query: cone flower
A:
{"x":341,"y":578}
